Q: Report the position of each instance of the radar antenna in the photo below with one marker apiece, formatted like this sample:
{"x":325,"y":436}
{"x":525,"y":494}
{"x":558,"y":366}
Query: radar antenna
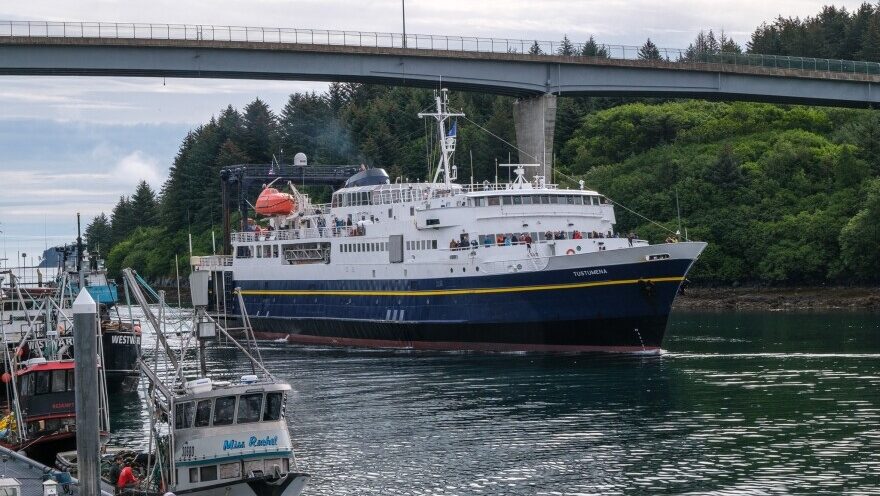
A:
{"x":447,"y":140}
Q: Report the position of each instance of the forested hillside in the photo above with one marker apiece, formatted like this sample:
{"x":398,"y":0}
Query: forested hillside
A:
{"x":783,"y":194}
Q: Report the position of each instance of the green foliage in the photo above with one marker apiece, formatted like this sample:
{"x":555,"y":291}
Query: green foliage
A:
{"x":860,"y":237}
{"x":776,"y":191}
{"x":99,"y":234}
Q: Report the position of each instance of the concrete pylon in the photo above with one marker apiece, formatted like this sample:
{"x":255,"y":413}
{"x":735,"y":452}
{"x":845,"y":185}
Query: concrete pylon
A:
{"x":535,"y":122}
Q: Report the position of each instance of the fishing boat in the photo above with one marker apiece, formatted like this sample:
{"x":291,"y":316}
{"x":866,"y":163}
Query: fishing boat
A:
{"x":213,"y":435}
{"x":522,"y":265}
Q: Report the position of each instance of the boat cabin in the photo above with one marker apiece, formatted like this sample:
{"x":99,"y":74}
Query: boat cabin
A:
{"x":234,"y":432}
{"x":46,"y":392}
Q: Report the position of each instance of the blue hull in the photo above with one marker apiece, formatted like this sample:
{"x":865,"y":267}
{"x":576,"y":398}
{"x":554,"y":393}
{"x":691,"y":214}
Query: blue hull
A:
{"x":619,"y":307}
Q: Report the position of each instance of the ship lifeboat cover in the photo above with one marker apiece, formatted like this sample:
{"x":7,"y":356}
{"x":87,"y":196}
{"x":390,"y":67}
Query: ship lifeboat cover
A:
{"x":273,"y":202}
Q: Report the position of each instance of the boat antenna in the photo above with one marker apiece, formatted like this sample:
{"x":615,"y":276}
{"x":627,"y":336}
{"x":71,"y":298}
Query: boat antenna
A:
{"x":678,"y":212}
{"x":447,"y":141}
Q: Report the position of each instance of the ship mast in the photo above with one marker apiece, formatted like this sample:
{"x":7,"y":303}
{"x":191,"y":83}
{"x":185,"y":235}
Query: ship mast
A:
{"x":447,"y":143}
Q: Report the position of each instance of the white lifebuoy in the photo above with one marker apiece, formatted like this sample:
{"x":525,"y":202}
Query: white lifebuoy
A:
{"x":570,"y":251}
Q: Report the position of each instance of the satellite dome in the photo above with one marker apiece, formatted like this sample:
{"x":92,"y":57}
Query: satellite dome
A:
{"x":300,"y":159}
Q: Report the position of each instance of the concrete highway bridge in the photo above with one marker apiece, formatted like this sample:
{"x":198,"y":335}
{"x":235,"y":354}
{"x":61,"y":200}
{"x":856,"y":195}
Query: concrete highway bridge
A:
{"x":493,"y":65}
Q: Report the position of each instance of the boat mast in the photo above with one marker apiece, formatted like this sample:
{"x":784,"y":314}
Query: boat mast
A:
{"x":447,"y":143}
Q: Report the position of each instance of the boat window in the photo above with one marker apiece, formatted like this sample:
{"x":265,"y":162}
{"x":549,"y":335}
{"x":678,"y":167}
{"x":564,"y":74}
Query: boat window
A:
{"x":224,"y":411}
{"x":70,"y":376}
{"x":249,"y":408}
{"x":578,"y":200}
{"x":230,"y":470}
{"x":545,"y":199}
{"x":434,"y":244}
{"x":58,"y":380}
{"x":42,"y":386}
{"x":526,"y":200}
{"x":203,"y":414}
{"x":242,"y":252}
{"x":183,"y":415}
{"x":27,"y":385}
{"x":209,"y":473}
{"x":274,"y":251}
{"x":194,"y":474}
{"x":506,"y":200}
{"x":494,"y":200}
{"x":536,"y":199}
{"x":273,"y":406}
{"x":517,"y":200}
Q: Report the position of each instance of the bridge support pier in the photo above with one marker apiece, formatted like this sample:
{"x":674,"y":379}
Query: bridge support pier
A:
{"x":535,"y":122}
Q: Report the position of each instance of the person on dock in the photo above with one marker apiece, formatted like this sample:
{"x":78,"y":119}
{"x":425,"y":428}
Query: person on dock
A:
{"x":126,"y":479}
{"x":115,"y":470}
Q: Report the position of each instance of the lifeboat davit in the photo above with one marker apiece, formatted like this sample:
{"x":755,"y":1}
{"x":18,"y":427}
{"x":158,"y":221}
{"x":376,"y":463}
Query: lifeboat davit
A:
{"x":273,"y":202}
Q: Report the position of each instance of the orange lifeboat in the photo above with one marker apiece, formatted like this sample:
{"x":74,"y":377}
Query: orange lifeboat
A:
{"x":273,"y":202}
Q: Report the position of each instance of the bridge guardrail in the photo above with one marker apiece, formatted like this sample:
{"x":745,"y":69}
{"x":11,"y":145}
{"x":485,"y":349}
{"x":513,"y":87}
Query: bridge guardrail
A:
{"x":578,"y":51}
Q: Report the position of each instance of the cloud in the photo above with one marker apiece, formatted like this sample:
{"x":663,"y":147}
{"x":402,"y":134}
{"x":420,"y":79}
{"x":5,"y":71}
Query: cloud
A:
{"x":135,"y":167}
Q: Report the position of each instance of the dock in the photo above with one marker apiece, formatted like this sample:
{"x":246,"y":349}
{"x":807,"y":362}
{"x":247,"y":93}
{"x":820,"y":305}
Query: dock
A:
{"x":32,"y":474}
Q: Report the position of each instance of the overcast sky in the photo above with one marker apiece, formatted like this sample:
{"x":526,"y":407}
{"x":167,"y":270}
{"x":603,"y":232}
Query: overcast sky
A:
{"x":76,"y":144}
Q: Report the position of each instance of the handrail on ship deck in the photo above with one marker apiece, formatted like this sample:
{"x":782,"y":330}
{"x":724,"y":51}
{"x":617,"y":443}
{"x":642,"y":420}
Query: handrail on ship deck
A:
{"x":418,"y":42}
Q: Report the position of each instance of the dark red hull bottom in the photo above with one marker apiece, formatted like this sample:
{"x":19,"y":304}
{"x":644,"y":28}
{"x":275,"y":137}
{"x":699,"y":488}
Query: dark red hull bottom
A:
{"x":448,"y":345}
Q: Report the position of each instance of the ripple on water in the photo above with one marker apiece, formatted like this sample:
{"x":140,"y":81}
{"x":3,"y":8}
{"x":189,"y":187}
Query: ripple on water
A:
{"x":734,"y":405}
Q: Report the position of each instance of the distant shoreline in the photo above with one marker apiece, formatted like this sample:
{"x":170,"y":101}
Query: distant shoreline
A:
{"x":779,"y":299}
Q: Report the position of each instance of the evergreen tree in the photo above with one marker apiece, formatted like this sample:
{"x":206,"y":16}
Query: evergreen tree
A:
{"x":566,"y":47}
{"x":123,"y":220}
{"x":593,"y":49}
{"x":260,"y":131}
{"x":649,"y":51}
{"x":728,"y":45}
{"x":145,"y":206}
{"x":535,"y":49}
{"x":725,"y":172}
{"x":99,"y":235}
{"x":870,"y":49}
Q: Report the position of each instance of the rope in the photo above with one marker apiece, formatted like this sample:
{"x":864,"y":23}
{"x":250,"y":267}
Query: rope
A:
{"x":661,"y":226}
{"x":490,"y":133}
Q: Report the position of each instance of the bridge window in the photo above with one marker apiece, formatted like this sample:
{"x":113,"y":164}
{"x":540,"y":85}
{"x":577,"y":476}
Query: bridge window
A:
{"x":224,"y":410}
{"x":70,"y":376}
{"x":249,"y":408}
{"x":42,"y":383}
{"x":183,"y":415}
{"x":242,"y":252}
{"x":494,"y":201}
{"x":517,"y":200}
{"x":274,"y":402}
{"x":526,"y":200}
{"x":58,"y":380}
{"x":203,"y":414}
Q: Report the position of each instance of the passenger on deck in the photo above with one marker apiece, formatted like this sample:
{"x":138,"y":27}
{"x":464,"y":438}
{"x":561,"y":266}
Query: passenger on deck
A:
{"x":507,"y":241}
{"x":577,"y":235}
{"x":453,"y":245}
{"x":499,"y":240}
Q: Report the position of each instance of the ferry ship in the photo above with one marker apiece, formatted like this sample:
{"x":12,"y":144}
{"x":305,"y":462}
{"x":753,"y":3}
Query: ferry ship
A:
{"x":517,"y":266}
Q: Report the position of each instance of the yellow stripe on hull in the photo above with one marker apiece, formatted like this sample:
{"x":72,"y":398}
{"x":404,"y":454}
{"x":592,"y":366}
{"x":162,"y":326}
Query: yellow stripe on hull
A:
{"x":448,"y":292}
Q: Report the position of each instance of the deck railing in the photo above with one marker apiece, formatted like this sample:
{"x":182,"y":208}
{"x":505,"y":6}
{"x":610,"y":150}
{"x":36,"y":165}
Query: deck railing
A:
{"x":532,"y":48}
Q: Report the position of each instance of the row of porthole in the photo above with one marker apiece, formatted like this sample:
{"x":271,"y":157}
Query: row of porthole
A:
{"x":463,"y":269}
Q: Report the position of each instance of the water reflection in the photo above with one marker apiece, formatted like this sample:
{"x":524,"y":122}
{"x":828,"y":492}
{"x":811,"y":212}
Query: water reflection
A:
{"x":737,"y":402}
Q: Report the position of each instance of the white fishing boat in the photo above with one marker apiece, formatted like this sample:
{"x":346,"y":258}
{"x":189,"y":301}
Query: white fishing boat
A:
{"x":213,"y":437}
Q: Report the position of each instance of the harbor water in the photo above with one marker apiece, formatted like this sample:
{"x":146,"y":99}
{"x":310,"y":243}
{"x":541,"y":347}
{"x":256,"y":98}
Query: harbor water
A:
{"x":737,"y":402}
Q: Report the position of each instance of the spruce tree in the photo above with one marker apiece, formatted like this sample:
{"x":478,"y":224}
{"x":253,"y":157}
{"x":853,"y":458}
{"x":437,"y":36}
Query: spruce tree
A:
{"x":145,"y":206}
{"x":593,"y":49}
{"x":566,"y":47}
{"x":535,"y":49}
{"x":649,"y":51}
{"x":123,"y":220}
{"x":99,"y":235}
{"x":870,"y":50}
{"x":260,"y":131}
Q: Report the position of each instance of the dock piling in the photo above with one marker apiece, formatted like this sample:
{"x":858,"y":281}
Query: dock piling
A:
{"x":88,"y":444}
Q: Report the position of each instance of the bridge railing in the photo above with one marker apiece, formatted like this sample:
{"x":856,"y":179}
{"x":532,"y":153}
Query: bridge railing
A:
{"x":577,"y":51}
